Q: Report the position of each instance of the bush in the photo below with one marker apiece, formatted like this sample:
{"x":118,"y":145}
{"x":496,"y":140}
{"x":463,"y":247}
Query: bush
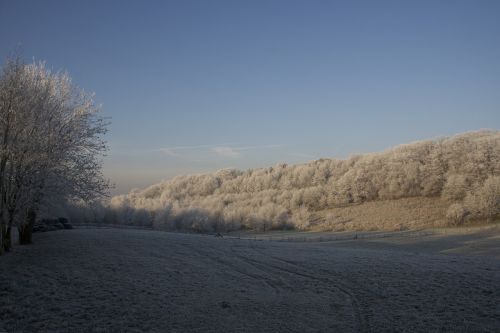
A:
{"x":485,"y":201}
{"x":455,"y":188}
{"x":456,"y":214}
{"x":301,"y":218}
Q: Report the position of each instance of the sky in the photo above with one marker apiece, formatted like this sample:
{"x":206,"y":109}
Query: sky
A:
{"x":195,"y":86}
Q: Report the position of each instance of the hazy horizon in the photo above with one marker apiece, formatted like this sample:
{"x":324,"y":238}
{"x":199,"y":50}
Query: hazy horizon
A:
{"x":192,"y":87}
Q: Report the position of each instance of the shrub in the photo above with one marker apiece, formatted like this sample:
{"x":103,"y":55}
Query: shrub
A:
{"x":456,"y":214}
{"x":301,"y":218}
{"x":485,"y":201}
{"x":455,"y":188}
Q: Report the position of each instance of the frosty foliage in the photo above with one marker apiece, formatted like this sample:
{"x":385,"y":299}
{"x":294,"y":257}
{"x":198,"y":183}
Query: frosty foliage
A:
{"x":50,"y":148}
{"x":463,"y":169}
{"x":456,"y":214}
{"x":484,"y":200}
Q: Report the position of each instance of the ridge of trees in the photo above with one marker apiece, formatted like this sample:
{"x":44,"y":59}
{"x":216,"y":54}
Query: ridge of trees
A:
{"x":463,"y":170}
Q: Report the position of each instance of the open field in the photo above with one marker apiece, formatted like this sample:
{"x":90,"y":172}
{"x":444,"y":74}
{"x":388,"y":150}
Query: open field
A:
{"x":471,"y":240}
{"x":119,"y":280}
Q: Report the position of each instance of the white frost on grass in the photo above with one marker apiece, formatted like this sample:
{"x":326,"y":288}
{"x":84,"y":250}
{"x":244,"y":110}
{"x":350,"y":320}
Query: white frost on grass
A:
{"x":111,"y":280}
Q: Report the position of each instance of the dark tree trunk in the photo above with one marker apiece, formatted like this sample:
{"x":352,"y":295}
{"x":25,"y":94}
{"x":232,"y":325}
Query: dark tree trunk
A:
{"x":1,"y":239}
{"x":26,"y":229}
{"x":7,"y":239}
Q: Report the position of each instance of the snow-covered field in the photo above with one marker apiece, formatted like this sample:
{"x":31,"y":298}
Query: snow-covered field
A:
{"x":116,"y":280}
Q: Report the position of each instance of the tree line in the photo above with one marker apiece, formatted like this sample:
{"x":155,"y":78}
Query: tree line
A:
{"x":51,"y":144}
{"x":463,"y":170}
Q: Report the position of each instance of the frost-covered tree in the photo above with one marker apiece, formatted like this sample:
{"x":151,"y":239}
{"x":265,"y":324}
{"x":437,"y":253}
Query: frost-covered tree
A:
{"x":51,"y":145}
{"x":484,"y":202}
{"x":460,"y":169}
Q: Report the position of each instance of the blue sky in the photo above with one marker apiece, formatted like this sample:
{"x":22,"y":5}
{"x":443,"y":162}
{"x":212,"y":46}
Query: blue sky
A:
{"x":195,"y":86}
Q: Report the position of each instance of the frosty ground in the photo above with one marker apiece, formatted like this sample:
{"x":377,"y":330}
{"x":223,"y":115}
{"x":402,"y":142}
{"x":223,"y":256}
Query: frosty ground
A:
{"x":114,"y":280}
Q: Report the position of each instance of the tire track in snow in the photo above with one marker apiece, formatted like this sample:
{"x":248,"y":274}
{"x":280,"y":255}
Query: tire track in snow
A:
{"x":234,"y":267}
{"x":358,"y":308}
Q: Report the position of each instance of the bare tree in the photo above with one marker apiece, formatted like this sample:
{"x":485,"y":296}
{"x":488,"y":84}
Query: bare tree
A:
{"x":52,"y":144}
{"x":11,"y":100}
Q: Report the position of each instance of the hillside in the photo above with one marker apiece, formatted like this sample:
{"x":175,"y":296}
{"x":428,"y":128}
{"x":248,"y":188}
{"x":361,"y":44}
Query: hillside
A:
{"x":445,"y":181}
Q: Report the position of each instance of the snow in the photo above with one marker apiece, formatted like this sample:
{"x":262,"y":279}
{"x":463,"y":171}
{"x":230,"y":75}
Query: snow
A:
{"x":118,"y":280}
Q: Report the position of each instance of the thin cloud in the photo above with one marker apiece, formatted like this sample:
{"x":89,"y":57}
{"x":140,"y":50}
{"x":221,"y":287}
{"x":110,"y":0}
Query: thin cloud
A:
{"x":223,"y":150}
{"x":226,"y":151}
{"x":236,"y":151}
{"x":169,"y":152}
{"x":176,"y":151}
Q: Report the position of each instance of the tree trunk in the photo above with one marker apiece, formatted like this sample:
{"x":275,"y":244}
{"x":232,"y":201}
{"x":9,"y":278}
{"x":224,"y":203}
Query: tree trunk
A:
{"x":7,"y":238}
{"x":7,"y":241}
{"x":26,"y":229}
{"x":1,"y":238}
